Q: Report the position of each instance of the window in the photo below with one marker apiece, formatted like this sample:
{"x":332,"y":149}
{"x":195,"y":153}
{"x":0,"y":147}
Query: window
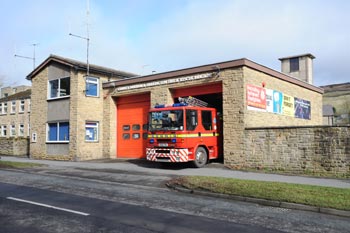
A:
{"x":3,"y":131}
{"x":29,"y":105}
{"x":1,"y":108}
{"x":206,"y":120}
{"x":91,"y":131}
{"x":58,"y":132}
{"x":294,"y":64}
{"x":92,"y":86}
{"x":4,"y":110}
{"x":21,"y":106}
{"x":59,"y":88}
{"x":13,"y":131}
{"x":13,"y":106}
{"x":21,"y":130}
{"x":191,"y":119}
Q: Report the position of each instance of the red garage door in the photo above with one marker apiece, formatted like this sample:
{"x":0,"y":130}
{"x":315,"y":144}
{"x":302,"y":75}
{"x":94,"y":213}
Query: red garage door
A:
{"x":132,"y":114}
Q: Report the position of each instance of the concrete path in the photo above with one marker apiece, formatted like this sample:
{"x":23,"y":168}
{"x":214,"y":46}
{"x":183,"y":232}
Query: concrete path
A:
{"x":183,"y":170}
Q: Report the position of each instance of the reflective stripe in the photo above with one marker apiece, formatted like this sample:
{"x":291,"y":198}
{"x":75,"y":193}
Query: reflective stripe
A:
{"x":183,"y":135}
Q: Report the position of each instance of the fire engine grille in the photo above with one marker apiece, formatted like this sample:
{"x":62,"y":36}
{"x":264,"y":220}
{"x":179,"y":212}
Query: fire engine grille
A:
{"x":163,"y":151}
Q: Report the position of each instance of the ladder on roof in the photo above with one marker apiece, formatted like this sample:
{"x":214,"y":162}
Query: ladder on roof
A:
{"x":190,"y":100}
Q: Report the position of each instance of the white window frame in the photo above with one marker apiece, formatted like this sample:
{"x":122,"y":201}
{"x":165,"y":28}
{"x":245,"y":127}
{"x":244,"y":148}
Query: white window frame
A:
{"x":58,"y":132}
{"x":4,"y":108}
{"x":3,"y":129}
{"x":21,"y":106}
{"x":58,"y":89}
{"x":13,"y":106}
{"x":21,"y":130}
{"x":12,"y":130}
{"x":94,"y":125}
{"x":92,"y":80}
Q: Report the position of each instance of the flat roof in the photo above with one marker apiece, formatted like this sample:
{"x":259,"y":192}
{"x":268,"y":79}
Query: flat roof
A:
{"x":212,"y":68}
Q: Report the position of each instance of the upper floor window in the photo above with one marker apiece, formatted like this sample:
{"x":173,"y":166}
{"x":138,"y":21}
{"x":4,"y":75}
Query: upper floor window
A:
{"x":59,"y":88}
{"x":21,"y":106}
{"x":92,"y":86}
{"x":294,"y":64}
{"x":4,"y":108}
{"x":13,"y":106}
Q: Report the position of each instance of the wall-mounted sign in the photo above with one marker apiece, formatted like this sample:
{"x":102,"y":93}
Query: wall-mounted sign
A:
{"x":166,"y":81}
{"x":256,"y":96}
{"x":277,"y":102}
{"x":288,"y":105}
{"x":302,"y":109}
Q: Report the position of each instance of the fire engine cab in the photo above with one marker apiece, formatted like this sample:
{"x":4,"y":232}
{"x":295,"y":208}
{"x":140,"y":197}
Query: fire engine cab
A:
{"x":183,"y":132}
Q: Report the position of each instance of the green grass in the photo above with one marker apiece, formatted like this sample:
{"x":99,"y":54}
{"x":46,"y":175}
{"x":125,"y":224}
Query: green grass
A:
{"x":8,"y":164}
{"x":319,"y":196}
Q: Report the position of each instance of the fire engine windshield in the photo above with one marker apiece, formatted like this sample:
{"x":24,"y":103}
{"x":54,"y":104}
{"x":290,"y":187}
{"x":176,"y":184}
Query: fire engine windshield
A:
{"x":166,"y":120}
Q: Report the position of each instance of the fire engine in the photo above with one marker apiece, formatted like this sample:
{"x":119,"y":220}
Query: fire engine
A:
{"x":183,"y":132}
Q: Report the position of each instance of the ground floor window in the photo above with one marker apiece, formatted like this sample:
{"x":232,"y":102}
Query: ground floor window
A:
{"x":13,"y":130}
{"x":58,"y":132}
{"x":3,"y":131}
{"x":21,"y":130}
{"x":91,"y":131}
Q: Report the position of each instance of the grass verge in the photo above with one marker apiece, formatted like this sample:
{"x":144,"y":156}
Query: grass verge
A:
{"x":326,"y":197}
{"x":8,"y":164}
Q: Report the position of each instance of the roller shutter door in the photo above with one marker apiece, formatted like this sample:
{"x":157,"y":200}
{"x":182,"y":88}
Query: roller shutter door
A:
{"x":132,"y":114}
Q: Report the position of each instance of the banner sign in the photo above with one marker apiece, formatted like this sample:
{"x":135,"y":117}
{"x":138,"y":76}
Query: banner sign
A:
{"x":277,"y":102}
{"x":269,"y":100}
{"x":302,"y":109}
{"x":256,"y":96}
{"x":288,"y":105}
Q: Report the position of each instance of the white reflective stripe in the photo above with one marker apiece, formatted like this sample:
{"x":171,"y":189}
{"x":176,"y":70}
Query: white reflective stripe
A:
{"x":48,"y":206}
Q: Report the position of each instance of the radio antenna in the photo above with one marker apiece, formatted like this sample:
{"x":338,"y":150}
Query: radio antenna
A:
{"x":31,"y":58}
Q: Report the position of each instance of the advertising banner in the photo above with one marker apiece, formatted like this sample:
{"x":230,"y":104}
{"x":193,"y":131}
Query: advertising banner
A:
{"x":277,"y":102}
{"x":302,"y":108}
{"x":288,"y":105}
{"x":256,"y":96}
{"x":269,"y":100}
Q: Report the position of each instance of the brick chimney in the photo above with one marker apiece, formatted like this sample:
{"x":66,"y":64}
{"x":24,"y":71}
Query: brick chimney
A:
{"x":299,"y":67}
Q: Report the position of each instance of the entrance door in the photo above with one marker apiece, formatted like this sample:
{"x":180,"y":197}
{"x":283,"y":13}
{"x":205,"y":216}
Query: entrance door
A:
{"x":132,"y":117}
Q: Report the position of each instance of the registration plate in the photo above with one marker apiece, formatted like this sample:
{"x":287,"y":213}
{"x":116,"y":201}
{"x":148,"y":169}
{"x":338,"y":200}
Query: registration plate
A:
{"x":163,"y":144}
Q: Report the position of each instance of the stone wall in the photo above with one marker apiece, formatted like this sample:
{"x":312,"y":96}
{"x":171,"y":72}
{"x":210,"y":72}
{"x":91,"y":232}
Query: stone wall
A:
{"x":318,"y":149}
{"x":14,"y":146}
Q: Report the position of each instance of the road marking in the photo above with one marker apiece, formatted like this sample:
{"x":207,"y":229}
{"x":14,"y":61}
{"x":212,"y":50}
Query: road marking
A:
{"x":48,"y":206}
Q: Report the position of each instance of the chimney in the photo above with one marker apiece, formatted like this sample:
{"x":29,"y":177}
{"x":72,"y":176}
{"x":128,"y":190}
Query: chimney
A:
{"x":299,"y":67}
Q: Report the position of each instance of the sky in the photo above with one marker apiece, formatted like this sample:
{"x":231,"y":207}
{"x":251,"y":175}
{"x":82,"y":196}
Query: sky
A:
{"x":145,"y":36}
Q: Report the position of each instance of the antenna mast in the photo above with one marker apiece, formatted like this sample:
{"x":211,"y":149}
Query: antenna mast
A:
{"x":31,"y":58}
{"x":87,"y":38}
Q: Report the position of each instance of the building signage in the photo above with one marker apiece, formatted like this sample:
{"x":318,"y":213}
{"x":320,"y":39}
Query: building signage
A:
{"x":267,"y":100}
{"x":256,"y":96}
{"x":302,"y":109}
{"x":165,"y":82}
{"x":288,"y":105}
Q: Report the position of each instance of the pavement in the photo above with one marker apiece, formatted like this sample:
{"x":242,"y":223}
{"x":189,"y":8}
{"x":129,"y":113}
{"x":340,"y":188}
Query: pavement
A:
{"x":213,"y":169}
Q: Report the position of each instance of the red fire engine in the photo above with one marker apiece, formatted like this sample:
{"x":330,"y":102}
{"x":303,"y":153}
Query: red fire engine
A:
{"x":183,"y":132}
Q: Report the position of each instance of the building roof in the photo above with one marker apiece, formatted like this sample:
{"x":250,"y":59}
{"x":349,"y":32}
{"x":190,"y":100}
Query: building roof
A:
{"x":18,"y":96}
{"x":327,"y":110}
{"x":301,"y":55}
{"x":79,"y":66}
{"x":213,"y":68}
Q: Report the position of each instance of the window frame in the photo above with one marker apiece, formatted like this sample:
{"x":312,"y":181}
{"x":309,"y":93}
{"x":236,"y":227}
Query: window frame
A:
{"x":95,"y":126}
{"x":21,"y":106}
{"x":209,"y":123}
{"x":21,"y":133}
{"x":294,"y":64}
{"x":1,"y":109}
{"x":12,"y":130}
{"x":58,"y":92}
{"x":57,"y":132}
{"x":92,"y":81}
{"x":13,"y":107}
{"x":3,"y":129}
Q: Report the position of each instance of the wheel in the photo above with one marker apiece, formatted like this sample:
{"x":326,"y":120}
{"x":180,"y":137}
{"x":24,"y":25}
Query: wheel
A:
{"x":201,"y":157}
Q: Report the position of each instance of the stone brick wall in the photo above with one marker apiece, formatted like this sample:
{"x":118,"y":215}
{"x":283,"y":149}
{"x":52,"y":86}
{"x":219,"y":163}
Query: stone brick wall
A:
{"x":320,"y":149}
{"x":14,"y":146}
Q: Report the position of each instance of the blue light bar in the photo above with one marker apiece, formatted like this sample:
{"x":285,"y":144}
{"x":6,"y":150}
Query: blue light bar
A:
{"x":160,"y":106}
{"x":180,"y":104}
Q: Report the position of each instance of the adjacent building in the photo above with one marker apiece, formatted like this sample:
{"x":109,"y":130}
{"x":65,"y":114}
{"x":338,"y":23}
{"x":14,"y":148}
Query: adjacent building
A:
{"x":15,"y":110}
{"x":104,"y":115}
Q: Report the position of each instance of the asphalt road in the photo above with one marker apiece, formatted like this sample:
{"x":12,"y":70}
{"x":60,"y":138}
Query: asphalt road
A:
{"x":129,"y":201}
{"x":32,"y":210}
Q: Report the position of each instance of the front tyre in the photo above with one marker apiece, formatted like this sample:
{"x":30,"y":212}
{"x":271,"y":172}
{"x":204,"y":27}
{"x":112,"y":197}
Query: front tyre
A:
{"x":201,"y":158}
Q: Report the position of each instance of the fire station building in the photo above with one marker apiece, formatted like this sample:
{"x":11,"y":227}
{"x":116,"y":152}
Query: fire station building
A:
{"x":105,"y":114}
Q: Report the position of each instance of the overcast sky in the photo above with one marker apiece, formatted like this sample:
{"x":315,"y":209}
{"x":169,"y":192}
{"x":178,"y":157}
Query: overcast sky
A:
{"x":142,"y":36}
